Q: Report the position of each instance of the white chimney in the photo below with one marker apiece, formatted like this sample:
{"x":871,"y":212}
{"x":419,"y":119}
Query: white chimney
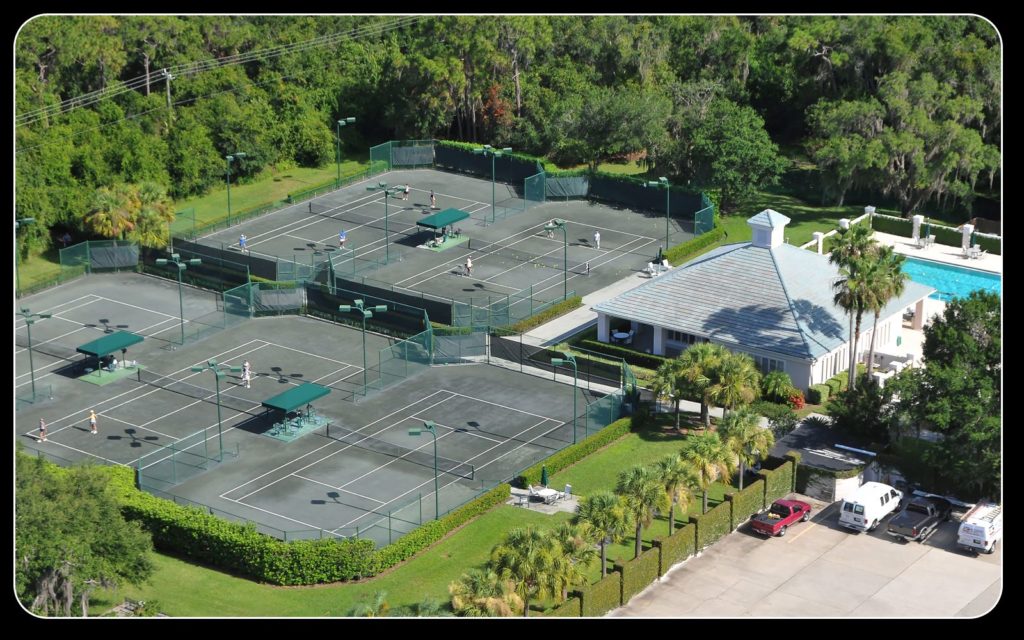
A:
{"x":769,"y":229}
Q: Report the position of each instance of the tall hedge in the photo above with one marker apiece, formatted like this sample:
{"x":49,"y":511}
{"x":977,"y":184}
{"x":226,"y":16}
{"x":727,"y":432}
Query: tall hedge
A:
{"x":571,"y":608}
{"x":565,"y":306}
{"x":602,"y":596}
{"x":638,"y":573}
{"x":712,"y":525}
{"x":648,"y":360}
{"x":682,"y":252}
{"x":677,"y":547}
{"x":574,"y":453}
{"x":893,"y":226}
{"x":747,"y":502}
{"x":778,"y":482}
{"x":818,"y":394}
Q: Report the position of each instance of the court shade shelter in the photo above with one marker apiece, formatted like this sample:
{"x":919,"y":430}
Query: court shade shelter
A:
{"x":442,"y":219}
{"x":107,"y":345}
{"x":299,"y":396}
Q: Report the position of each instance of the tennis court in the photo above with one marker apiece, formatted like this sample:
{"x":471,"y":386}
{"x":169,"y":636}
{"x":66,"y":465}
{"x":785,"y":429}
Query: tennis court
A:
{"x":363,"y":474}
{"x":510,"y":255}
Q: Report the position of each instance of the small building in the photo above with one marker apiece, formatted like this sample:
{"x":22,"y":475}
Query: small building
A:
{"x":766,"y":298}
{"x":829,"y":470}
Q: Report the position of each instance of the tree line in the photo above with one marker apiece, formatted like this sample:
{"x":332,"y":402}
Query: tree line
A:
{"x":907,"y":107}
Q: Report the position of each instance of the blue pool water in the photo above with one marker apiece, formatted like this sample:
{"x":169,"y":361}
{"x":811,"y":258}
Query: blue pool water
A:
{"x":949,"y":280}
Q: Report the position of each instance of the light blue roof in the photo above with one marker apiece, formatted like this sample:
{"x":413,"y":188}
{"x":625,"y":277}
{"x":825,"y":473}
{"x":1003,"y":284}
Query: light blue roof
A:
{"x":776,"y":299}
{"x":769,"y":218}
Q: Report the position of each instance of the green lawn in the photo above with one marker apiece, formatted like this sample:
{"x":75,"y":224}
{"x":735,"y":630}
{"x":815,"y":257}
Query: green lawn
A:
{"x":276,"y":185}
{"x":37,"y":269}
{"x":184,"y":589}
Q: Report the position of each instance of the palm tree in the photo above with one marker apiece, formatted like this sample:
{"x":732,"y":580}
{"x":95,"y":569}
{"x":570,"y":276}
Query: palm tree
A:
{"x":114,"y":211}
{"x":776,"y":386}
{"x":577,"y":542}
{"x":699,"y":366}
{"x":710,"y":459}
{"x":604,"y":512}
{"x":852,"y":295}
{"x":530,"y":558}
{"x":670,"y":382}
{"x":155,"y":215}
{"x":376,"y":608}
{"x":643,"y":496}
{"x":738,"y":382}
{"x":746,"y":439}
{"x":679,"y":479}
{"x":854,"y":244}
{"x":482,"y":592}
{"x":889,"y":284}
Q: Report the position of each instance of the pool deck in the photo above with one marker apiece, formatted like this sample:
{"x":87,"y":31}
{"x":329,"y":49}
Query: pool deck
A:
{"x":941,"y":253}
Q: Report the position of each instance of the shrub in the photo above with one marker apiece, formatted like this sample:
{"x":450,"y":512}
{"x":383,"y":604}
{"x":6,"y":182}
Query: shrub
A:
{"x":835,"y":385}
{"x":779,"y":481}
{"x":550,"y":313}
{"x":677,"y":547}
{"x":818,"y":394}
{"x":776,"y":386}
{"x":713,"y":525}
{"x":747,"y":502}
{"x":892,"y":225}
{"x":647,"y":360}
{"x":681,"y":252}
{"x":638,"y":573}
{"x":574,"y":453}
{"x":796,"y":400}
{"x":781,"y":417}
{"x":568,"y":609}
{"x":602,"y":596}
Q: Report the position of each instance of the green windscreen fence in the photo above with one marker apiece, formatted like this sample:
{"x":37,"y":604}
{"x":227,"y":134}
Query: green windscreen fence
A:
{"x":94,"y":256}
{"x":534,"y":190}
{"x":704,"y":219}
{"x":412,"y":153}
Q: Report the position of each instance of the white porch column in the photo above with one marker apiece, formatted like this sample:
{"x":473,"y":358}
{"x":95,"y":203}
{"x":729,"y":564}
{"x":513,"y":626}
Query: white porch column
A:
{"x":965,"y":237}
{"x":819,"y":237}
{"x":918,"y":220}
{"x":659,"y":341}
{"x":602,"y":327}
{"x":918,"y":323}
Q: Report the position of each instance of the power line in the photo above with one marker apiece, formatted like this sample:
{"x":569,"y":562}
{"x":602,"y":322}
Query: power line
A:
{"x":197,"y":67}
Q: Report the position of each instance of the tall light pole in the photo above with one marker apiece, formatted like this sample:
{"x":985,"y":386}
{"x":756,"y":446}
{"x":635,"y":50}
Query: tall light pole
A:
{"x":228,"y":178}
{"x":17,"y":254}
{"x":488,"y":150}
{"x":219,"y":371}
{"x":30,"y":319}
{"x":558,"y":223}
{"x":662,"y":183}
{"x":432,"y":428}
{"x":568,"y":358}
{"x":388,"y":192}
{"x":341,"y":123}
{"x":180,"y":265}
{"x":365,"y":313}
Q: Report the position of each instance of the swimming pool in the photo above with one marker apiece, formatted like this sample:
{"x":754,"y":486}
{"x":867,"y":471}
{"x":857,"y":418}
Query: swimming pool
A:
{"x":951,"y":281}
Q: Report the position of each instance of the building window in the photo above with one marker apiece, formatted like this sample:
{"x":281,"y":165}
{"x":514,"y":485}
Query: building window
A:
{"x":684,"y":338}
{"x":769,"y":364}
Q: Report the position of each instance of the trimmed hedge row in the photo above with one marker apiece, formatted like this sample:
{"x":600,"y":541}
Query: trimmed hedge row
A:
{"x":747,"y":502}
{"x":563,"y":307}
{"x":677,"y":547}
{"x":574,"y":453}
{"x":429,"y":533}
{"x":778,"y":482}
{"x":682,"y":252}
{"x":571,"y":608}
{"x":602,"y":596}
{"x":819,"y":394}
{"x":646,"y":360}
{"x":638,"y":573}
{"x":712,"y":525}
{"x":891,"y":225}
{"x":197,"y":535}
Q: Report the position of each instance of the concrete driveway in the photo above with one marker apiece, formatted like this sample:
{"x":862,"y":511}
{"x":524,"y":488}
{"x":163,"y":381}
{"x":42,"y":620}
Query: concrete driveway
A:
{"x":822,"y":570}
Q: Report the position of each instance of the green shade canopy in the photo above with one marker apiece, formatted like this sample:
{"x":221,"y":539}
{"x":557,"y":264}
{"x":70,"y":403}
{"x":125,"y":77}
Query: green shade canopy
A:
{"x":442,"y":219}
{"x":109,"y":344}
{"x":297,"y":397}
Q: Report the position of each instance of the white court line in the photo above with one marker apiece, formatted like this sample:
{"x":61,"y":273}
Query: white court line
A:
{"x":159,"y":313}
{"x":314,"y":355}
{"x":276,"y":232}
{"x":137,"y":426}
{"x":359,"y":495}
{"x":496,"y":404}
{"x":397,"y":411}
{"x":91,"y":455}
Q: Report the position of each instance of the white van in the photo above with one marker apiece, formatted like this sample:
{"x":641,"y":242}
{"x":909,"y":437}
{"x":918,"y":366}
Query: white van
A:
{"x":981,"y":528}
{"x":871,"y":502}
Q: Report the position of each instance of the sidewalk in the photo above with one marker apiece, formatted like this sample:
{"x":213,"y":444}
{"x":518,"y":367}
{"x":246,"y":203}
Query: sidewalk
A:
{"x":561,"y":328}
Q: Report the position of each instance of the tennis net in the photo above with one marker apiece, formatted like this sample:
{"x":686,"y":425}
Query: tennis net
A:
{"x":197,"y":392}
{"x":338,"y":213}
{"x":552,"y":261}
{"x":363,"y":441}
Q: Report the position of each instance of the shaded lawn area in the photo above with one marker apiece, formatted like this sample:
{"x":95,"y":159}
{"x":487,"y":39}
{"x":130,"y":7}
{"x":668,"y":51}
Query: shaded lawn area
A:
{"x":184,"y":589}
{"x":37,"y":269}
{"x":274,"y":187}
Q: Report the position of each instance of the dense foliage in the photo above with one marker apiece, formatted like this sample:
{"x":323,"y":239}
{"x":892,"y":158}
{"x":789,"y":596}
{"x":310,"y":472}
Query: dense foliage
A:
{"x":907,"y":106}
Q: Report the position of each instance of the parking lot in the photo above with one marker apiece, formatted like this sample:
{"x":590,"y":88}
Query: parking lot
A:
{"x":823,"y":570}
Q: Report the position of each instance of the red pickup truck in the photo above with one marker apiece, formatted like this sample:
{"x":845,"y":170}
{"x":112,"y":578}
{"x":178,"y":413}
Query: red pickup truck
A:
{"x":783,"y":513}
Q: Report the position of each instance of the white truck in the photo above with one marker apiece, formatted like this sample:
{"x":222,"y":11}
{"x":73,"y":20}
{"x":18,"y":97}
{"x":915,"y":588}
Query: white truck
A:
{"x":981,"y":528}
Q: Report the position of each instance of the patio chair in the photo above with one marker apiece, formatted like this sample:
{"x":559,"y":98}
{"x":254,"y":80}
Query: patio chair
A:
{"x":629,"y":337}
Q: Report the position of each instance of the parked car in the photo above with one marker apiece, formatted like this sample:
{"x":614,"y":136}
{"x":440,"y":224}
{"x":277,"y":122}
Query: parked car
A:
{"x":868,"y":505}
{"x":777,"y":519}
{"x":981,"y":528}
{"x":919,"y":518}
